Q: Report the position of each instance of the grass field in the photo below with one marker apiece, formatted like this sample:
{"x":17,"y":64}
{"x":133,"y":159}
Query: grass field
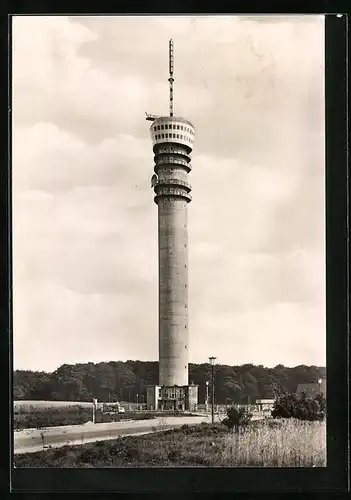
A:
{"x":41,"y":416}
{"x":35,"y":405}
{"x":270,"y":443}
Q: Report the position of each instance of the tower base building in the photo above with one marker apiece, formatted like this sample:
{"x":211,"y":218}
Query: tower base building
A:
{"x":173,"y":398}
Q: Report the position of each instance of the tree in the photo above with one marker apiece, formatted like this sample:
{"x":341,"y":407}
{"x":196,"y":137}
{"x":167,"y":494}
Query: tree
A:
{"x":237,"y":417}
{"x":322,"y":407}
{"x":301,"y":406}
{"x":118,"y":380}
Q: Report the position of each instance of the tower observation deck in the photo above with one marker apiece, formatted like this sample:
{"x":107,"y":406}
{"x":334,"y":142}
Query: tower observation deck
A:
{"x":172,"y":139}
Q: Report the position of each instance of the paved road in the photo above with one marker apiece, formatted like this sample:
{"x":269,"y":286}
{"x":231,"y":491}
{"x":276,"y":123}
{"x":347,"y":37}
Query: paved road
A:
{"x":31,"y":440}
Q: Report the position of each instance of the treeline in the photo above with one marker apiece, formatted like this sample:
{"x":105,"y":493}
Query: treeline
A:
{"x":127,"y":381}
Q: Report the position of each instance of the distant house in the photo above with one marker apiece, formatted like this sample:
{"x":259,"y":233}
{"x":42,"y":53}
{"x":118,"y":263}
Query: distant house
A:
{"x":313,"y":389}
{"x":265,"y":404}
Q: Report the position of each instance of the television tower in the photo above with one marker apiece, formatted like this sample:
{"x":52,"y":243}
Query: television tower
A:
{"x":172,"y":139}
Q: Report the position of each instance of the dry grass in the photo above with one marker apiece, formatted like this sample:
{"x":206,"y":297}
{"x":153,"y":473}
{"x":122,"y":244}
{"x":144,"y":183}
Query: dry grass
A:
{"x":281,"y":443}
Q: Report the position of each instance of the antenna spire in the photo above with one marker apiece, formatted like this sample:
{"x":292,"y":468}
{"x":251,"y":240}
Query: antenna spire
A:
{"x":171,"y":79}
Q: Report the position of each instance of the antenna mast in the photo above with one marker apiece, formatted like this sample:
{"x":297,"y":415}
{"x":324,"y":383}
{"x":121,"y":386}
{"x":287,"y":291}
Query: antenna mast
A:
{"x":171,"y":79}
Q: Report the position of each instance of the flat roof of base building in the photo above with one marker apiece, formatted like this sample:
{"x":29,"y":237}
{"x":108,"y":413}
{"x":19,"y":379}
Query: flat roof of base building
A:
{"x":264,"y":401}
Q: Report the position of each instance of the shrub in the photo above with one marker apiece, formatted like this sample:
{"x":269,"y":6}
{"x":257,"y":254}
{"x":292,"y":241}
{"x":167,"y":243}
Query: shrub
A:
{"x":237,"y":417}
{"x":300,"y":407}
{"x":203,"y":429}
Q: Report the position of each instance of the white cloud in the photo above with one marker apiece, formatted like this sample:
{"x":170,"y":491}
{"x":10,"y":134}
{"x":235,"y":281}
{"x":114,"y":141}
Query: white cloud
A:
{"x":85,"y":225}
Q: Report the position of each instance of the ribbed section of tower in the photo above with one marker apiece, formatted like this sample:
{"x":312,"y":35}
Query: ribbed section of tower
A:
{"x":172,"y":144}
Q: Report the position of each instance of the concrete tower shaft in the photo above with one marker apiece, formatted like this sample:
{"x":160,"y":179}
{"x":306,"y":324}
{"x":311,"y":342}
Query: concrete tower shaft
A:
{"x":172,"y":144}
{"x":173,"y":292}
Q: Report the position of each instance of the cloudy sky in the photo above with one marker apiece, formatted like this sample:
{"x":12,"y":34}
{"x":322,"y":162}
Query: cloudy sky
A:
{"x":84,"y":222}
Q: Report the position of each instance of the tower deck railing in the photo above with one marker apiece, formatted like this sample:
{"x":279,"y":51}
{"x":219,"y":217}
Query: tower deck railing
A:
{"x":177,"y":182}
{"x":173,"y":150}
{"x":170,"y":159}
{"x":169,"y":193}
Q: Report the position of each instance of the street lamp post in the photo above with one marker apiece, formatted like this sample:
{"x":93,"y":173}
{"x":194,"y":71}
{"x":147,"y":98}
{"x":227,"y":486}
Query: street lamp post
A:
{"x":94,"y":409}
{"x":207,"y":398}
{"x":320,"y":385}
{"x":212,"y":361}
{"x":137,"y":401}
